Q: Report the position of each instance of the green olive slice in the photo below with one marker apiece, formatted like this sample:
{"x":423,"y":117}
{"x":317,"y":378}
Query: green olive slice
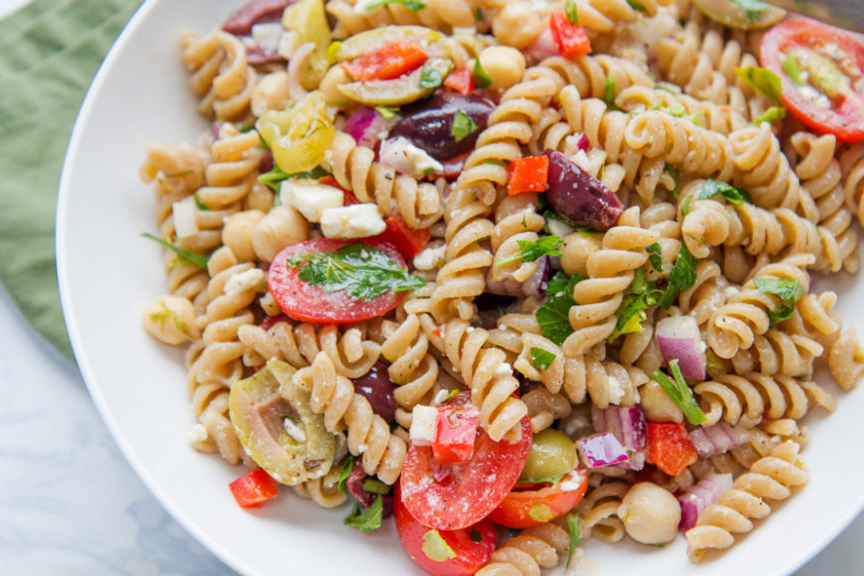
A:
{"x":735,"y":15}
{"x":399,"y":91}
{"x":433,"y":43}
{"x":552,"y":455}
{"x":277,"y":427}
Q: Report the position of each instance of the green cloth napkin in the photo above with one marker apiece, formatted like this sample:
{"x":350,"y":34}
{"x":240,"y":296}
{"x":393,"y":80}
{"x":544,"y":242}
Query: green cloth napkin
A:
{"x":49,"y":53}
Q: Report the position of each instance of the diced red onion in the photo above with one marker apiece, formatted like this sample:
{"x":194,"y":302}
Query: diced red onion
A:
{"x":679,"y":338}
{"x":533,"y":286}
{"x":700,"y":496}
{"x":583,"y":144}
{"x":718,"y":439}
{"x":601,"y":450}
{"x":544,"y":46}
{"x":366,"y":125}
{"x":627,"y":424}
{"x":636,"y":462}
{"x":240,"y":23}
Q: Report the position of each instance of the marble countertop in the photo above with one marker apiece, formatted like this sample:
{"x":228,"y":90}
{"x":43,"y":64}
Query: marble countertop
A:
{"x":71,"y":504}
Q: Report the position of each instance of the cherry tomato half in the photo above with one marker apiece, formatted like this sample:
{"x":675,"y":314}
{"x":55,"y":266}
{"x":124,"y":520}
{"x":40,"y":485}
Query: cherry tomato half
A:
{"x":302,"y":301}
{"x":453,"y":552}
{"x":455,"y":497}
{"x":524,"y":508}
{"x":827,"y":94}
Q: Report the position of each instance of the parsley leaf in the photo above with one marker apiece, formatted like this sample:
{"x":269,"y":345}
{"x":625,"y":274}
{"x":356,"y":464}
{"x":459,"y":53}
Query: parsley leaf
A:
{"x":636,"y":5}
{"x":609,"y":92}
{"x":186,"y":256}
{"x":680,"y":393}
{"x":685,"y":206}
{"x":771,"y":115}
{"x":639,"y":296}
{"x":413,"y":5}
{"x":575,"y":530}
{"x":571,"y":12}
{"x":430,"y":78}
{"x":675,"y":174}
{"x":762,"y":80}
{"x":531,"y":250}
{"x":361,"y":271}
{"x":463,"y":126}
{"x":789,"y":291}
{"x":655,"y":256}
{"x":553,"y":314}
{"x":347,"y":467}
{"x":199,"y":203}
{"x":753,"y":8}
{"x":368,"y":519}
{"x":731,"y":194}
{"x":274,"y":177}
{"x":558,"y":283}
{"x":793,"y":69}
{"x":481,"y":78}
{"x":681,"y":277}
{"x":541,"y":359}
{"x":677,"y":110}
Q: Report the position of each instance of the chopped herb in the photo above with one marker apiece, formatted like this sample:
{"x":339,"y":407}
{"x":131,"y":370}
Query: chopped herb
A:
{"x":347,"y":467}
{"x":274,"y":177}
{"x":542,"y":359}
{"x":361,"y":271}
{"x":476,"y":536}
{"x":453,"y":393}
{"x":436,"y":548}
{"x":185,"y":256}
{"x":678,"y":110}
{"x":639,"y":296}
{"x":553,"y":314}
{"x":609,"y":92}
{"x":771,"y":115}
{"x":162,"y":315}
{"x":374,"y":486}
{"x":531,"y":250}
{"x":430,"y":78}
{"x":789,"y":291}
{"x":731,"y":194}
{"x":481,"y":78}
{"x":762,"y":80}
{"x":558,"y":283}
{"x":368,"y":519}
{"x":680,"y":393}
{"x":201,"y":205}
{"x":574,"y":527}
{"x":478,"y":14}
{"x":685,"y":206}
{"x":413,"y":5}
{"x":681,"y":277}
{"x":793,"y":69}
{"x":387,"y":111}
{"x":571,"y":12}
{"x":753,"y":8}
{"x":675,"y":174}
{"x":636,"y":5}
{"x":463,"y":126}
{"x":655,"y":256}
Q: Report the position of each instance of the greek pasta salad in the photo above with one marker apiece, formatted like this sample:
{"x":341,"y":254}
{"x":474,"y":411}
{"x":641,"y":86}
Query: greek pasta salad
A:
{"x":514,"y":273}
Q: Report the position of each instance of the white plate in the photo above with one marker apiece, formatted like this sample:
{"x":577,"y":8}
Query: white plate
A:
{"x":108,"y":273}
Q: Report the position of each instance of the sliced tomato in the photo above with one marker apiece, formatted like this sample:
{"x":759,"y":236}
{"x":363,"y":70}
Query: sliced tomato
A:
{"x":532,"y":506}
{"x":570,"y":39}
{"x":443,"y":552}
{"x":386,"y":63}
{"x":253,"y":489}
{"x":455,"y":497}
{"x":302,"y":301}
{"x":408,"y":241}
{"x":816,"y":99}
{"x":455,"y":432}
{"x":461,"y":80}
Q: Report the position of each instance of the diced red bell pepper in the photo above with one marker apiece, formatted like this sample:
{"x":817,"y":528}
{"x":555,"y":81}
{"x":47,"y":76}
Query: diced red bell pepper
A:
{"x":253,"y":489}
{"x":349,"y":197}
{"x":455,"y":432}
{"x":528,"y":174}
{"x":386,"y":63}
{"x":461,"y":81}
{"x":570,"y":39}
{"x":408,"y":241}
{"x":670,"y":448}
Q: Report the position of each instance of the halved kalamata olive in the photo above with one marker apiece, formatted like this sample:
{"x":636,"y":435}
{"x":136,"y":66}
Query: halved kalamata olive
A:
{"x":376,"y":387}
{"x":356,"y":484}
{"x":578,"y":196}
{"x":428,"y":124}
{"x":240,"y":23}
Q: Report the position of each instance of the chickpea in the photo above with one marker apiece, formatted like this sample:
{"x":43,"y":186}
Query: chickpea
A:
{"x":503,"y":64}
{"x":517,"y":24}
{"x":237,"y":233}
{"x":171,"y":319}
{"x":657,"y":405}
{"x":650,"y":514}
{"x":282,"y":227}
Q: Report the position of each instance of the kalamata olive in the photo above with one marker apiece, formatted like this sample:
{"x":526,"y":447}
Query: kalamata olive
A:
{"x":241,"y":22}
{"x":355,"y":482}
{"x":578,"y":196}
{"x":376,"y":387}
{"x":428,"y":124}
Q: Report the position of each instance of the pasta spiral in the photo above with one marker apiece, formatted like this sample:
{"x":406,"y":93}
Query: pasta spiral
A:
{"x":598,"y":511}
{"x":516,"y":219}
{"x":412,"y":367}
{"x":772,"y":477}
{"x":525,"y":554}
{"x":355,"y":169}
{"x":368,"y":434}
{"x":220,"y":75}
